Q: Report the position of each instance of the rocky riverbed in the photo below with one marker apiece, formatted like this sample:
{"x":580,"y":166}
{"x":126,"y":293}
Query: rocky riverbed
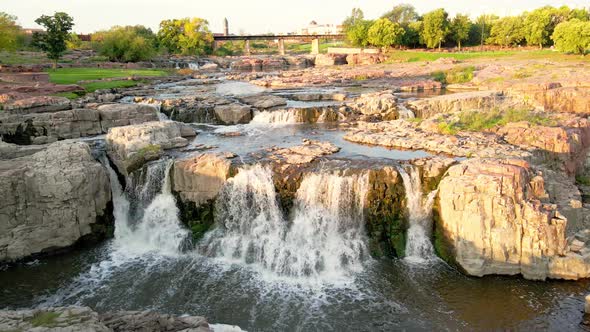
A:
{"x":328,"y":177}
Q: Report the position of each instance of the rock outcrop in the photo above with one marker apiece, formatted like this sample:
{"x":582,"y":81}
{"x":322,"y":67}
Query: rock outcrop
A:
{"x":42,"y":128}
{"x":51,"y":200}
{"x":263,"y":102}
{"x":38,"y":105}
{"x":84,"y":319}
{"x":382,"y":104}
{"x":491,"y":220}
{"x":233,"y":113}
{"x":116,"y":115}
{"x":330,"y":60}
{"x":130,"y":147}
{"x":477,"y":100}
{"x":199,"y":179}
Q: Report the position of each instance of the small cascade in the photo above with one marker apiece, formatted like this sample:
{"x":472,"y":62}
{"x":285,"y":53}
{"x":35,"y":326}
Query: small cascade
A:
{"x":404,"y":112}
{"x":193,"y":66}
{"x":157,"y":228}
{"x":325,"y":238}
{"x":158,"y":105}
{"x":418,"y":243}
{"x":288,"y":116}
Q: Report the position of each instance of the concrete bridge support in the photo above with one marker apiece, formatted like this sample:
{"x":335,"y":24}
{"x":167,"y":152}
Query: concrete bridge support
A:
{"x":281,"y":46}
{"x":315,"y":46}
{"x":247,"y":47}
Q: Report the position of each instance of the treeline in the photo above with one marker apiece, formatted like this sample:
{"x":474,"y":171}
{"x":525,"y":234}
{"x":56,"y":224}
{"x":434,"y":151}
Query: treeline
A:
{"x":187,"y":36}
{"x":567,"y":29}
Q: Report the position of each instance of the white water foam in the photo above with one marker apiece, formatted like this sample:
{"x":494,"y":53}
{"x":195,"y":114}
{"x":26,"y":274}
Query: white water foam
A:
{"x":287,"y":116}
{"x":159,"y":230}
{"x":418,"y":244}
{"x":325,"y":240}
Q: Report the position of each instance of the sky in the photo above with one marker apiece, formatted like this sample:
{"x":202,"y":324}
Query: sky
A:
{"x":248,"y":16}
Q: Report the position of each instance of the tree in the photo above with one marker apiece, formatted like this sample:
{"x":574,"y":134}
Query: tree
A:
{"x":57,"y":32}
{"x":10,"y":32}
{"x":358,"y":34}
{"x":541,"y":22}
{"x":355,"y":17}
{"x":509,"y":30}
{"x":187,"y":36}
{"x":435,"y":28}
{"x":384,"y":33}
{"x":572,"y":36}
{"x":125,"y":44}
{"x":460,"y":27}
{"x":411,"y":36}
{"x":402,"y":14}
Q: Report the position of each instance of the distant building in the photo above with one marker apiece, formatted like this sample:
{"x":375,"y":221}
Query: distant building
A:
{"x":225,"y":27}
{"x":321,"y":29}
{"x":32,"y":31}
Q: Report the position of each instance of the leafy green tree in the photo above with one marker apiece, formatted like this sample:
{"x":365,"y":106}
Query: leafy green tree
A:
{"x":402,"y":14}
{"x":509,"y":30}
{"x":358,"y":34}
{"x":188,"y":36}
{"x":411,"y":36}
{"x":10,"y":32}
{"x":384,"y":33}
{"x":57,"y":32}
{"x":580,"y":14}
{"x":435,"y":28}
{"x":125,"y":44}
{"x":460,"y":27}
{"x":481,"y":29}
{"x":572,"y":36}
{"x":541,"y":22}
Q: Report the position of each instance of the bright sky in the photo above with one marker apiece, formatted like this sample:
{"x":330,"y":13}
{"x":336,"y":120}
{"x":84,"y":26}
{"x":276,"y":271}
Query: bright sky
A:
{"x":249,"y":16}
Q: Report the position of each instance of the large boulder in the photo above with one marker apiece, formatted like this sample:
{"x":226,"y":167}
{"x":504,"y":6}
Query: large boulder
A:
{"x":51,"y":200}
{"x":477,"y":100}
{"x":233,"y":113}
{"x":199,"y":179}
{"x":322,"y":60}
{"x":382,"y":103}
{"x":130,"y":147}
{"x":41,"y":128}
{"x":116,"y":115}
{"x":554,"y":98}
{"x":491,"y":220}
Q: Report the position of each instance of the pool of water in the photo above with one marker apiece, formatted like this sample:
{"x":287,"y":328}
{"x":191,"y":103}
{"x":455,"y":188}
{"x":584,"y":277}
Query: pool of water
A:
{"x":389,"y":294}
{"x":249,"y":138}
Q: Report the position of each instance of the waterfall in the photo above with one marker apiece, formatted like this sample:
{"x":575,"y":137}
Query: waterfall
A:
{"x":276,"y":117}
{"x":418,"y":244}
{"x":325,"y":238}
{"x":157,"y":229}
{"x":404,"y":112}
{"x":193,"y":66}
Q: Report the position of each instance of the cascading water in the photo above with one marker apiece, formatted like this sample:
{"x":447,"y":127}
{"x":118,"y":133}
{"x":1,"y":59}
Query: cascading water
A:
{"x":404,"y":112}
{"x":158,"y":229}
{"x":418,"y":244}
{"x":325,"y":238}
{"x":288,"y":116}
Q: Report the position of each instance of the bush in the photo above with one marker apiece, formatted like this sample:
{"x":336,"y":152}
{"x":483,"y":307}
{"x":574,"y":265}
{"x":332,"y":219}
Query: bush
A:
{"x":455,"y":75}
{"x":125,"y":44}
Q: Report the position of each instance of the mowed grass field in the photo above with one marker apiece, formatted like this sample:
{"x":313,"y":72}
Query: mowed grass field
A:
{"x":76,"y":75}
{"x":417,"y":56}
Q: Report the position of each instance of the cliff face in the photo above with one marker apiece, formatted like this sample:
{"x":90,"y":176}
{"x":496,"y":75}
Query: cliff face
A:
{"x":491,"y":221}
{"x":51,"y":200}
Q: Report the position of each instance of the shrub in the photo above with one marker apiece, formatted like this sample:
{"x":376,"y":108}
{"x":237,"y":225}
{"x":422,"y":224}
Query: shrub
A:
{"x":455,"y":75}
{"x":125,"y":44}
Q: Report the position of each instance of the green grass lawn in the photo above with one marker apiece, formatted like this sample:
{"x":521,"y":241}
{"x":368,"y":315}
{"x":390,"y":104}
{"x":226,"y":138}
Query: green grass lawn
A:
{"x":415,"y":56}
{"x":74,"y":75}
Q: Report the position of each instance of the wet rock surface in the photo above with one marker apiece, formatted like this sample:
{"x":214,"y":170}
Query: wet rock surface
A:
{"x":84,"y":319}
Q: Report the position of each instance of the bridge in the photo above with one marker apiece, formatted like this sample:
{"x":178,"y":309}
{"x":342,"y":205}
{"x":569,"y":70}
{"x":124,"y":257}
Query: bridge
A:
{"x":315,"y":40}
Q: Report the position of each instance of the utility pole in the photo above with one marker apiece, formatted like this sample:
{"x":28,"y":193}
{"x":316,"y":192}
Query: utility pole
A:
{"x":483,"y":29}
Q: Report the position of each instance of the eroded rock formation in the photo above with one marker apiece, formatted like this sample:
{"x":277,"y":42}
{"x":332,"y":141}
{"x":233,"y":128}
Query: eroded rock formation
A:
{"x":51,"y":200}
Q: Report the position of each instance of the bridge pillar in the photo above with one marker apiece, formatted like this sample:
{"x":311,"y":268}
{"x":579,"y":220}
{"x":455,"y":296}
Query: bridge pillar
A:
{"x":247,"y":47}
{"x":281,"y":46}
{"x":215,"y":45}
{"x":315,"y":46}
